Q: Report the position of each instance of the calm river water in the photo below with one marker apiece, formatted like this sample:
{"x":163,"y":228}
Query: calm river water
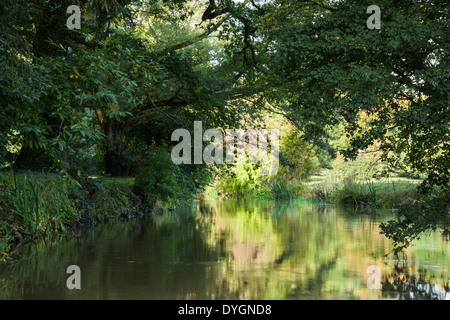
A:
{"x":230,"y":249}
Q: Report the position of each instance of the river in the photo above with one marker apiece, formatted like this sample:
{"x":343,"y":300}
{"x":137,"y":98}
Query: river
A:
{"x":234,"y":249}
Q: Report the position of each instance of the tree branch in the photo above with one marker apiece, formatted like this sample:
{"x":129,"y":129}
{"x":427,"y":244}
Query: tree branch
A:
{"x":200,"y":36}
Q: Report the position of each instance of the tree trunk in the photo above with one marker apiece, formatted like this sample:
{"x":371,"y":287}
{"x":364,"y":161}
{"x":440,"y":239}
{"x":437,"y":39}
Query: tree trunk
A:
{"x":115,"y":159}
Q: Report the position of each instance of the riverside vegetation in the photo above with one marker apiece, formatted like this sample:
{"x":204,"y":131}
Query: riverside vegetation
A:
{"x":86,"y":115}
{"x":35,"y":205}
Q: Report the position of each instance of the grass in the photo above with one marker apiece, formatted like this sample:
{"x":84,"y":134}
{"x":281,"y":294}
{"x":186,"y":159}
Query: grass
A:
{"x":42,"y":205}
{"x":123,"y":181}
{"x":282,"y":190}
{"x":274,"y":190}
{"x":386,"y":193}
{"x":286,"y":190}
{"x":383,"y":193}
{"x":401,"y":182}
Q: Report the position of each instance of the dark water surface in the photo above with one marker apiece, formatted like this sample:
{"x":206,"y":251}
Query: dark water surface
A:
{"x":228,"y":249}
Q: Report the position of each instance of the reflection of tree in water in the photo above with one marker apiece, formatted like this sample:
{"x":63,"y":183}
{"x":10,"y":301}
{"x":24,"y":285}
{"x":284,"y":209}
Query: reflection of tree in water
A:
{"x":276,"y":250}
{"x":405,"y":286}
{"x":219,"y":250}
{"x":314,"y":286}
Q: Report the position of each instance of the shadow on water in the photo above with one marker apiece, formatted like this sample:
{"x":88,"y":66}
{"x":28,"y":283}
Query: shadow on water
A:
{"x":231,"y":249}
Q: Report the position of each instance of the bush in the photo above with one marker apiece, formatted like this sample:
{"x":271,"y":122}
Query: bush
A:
{"x":356,"y":194}
{"x":112,"y":201}
{"x":242,"y":179}
{"x":281,"y":190}
{"x":6,"y":239}
{"x":298,"y":158}
{"x":137,"y":153}
{"x":83,"y":156}
{"x":157,"y":179}
{"x":160,"y":181}
{"x":261,"y":195}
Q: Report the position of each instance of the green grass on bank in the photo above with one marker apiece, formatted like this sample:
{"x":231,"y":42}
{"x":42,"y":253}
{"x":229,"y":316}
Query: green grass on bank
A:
{"x":385,"y":193}
{"x":123,"y":181}
{"x":400,"y":182}
{"x":41,"y":205}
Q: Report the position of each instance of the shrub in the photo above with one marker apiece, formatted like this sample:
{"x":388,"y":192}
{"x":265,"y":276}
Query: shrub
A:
{"x":242,"y":179}
{"x":356,"y":193}
{"x":281,"y":190}
{"x":83,"y":156}
{"x":261,"y":195}
{"x":298,"y":158}
{"x":111,"y":201}
{"x":162,"y":181}
{"x":292,"y":189}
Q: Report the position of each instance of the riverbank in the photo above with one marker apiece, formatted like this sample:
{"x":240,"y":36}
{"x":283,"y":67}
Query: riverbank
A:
{"x":387,"y":193}
{"x":45,"y":205}
{"x":285,"y":250}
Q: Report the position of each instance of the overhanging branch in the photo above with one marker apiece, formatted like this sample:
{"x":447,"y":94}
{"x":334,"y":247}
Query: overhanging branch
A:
{"x":202,"y":36}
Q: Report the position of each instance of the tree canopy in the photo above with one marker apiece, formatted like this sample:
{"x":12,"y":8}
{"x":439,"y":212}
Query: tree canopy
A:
{"x":137,"y":70}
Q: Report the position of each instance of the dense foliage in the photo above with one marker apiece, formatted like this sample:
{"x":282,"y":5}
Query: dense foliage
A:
{"x":105,"y":99}
{"x":331,"y":68}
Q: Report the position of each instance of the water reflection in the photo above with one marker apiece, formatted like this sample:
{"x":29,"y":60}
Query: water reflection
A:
{"x":401,"y":283}
{"x":227,"y":249}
